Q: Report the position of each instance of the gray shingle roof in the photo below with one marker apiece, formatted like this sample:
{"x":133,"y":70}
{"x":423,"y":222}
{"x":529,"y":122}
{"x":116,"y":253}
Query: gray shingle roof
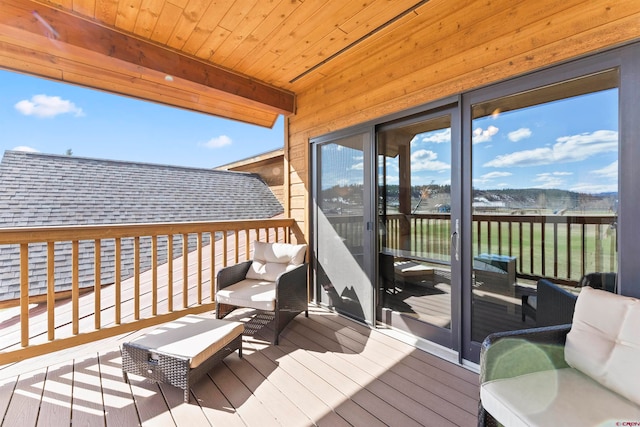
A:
{"x":44,"y":190}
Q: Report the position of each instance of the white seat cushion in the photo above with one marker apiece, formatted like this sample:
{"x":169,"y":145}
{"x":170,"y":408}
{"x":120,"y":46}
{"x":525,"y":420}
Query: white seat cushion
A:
{"x":562,"y":397}
{"x":258,"y":294}
{"x":604,"y":341}
{"x":270,"y":260}
{"x":191,"y":336}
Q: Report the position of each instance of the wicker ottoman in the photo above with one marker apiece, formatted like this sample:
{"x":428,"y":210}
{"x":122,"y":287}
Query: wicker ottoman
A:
{"x":180,"y":352}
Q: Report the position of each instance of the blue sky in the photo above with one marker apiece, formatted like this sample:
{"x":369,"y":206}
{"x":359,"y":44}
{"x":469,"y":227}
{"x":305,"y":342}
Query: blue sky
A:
{"x":51,"y":117}
{"x":571,"y":144}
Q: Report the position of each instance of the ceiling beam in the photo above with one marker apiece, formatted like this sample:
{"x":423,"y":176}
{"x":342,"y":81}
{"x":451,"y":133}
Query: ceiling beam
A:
{"x":60,"y":27}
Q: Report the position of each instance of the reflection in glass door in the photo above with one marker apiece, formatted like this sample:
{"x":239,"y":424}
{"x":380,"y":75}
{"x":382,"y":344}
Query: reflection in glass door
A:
{"x":545,"y":200}
{"x":416,"y":288}
{"x":343,"y":226}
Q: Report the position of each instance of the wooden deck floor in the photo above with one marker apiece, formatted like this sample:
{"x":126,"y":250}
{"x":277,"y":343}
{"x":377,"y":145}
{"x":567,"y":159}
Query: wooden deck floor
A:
{"x":328,"y":370}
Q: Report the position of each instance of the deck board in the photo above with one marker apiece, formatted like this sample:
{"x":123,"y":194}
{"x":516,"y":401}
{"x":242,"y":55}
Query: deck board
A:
{"x":278,"y":404}
{"x":150,"y":405}
{"x":7,"y":386}
{"x":87,"y":405}
{"x":21,"y":410}
{"x":251,"y":410}
{"x":119,"y":407}
{"x":56,"y":399}
{"x":214,"y":405}
{"x":327,"y":370}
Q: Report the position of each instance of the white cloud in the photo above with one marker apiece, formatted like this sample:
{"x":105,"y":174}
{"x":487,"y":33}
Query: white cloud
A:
{"x":438,"y":137}
{"x":218,"y":141}
{"x":422,"y":160}
{"x":357,"y":166}
{"x":493,"y":175}
{"x":428,"y":180}
{"x":484,"y":135}
{"x":610,"y":171}
{"x":519,"y":134}
{"x":574,"y":148}
{"x":25,"y":148}
{"x":45,"y":106}
{"x":550,"y":179}
{"x":392,"y":164}
{"x":594,"y":188}
{"x":488,"y":177}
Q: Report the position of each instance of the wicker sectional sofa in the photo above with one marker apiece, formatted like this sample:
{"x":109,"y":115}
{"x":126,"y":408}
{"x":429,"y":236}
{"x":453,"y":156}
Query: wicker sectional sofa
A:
{"x":585,"y":373}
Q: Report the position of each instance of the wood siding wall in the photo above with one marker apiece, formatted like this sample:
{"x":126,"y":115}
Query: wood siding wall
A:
{"x":271,"y":171}
{"x":443,"y":48}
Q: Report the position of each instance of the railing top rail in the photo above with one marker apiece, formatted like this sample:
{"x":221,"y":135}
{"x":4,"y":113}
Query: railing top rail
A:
{"x":546,"y":219}
{"x":20,"y":235}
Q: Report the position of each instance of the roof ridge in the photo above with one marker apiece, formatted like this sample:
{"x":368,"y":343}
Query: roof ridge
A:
{"x":11,"y":153}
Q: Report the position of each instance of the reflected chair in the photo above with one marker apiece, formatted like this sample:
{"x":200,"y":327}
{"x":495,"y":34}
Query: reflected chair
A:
{"x":274,"y":281}
{"x":553,"y":305}
{"x":387,"y":273}
{"x":606,"y":281}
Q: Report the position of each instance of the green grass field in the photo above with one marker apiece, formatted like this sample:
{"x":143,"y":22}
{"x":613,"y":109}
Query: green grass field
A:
{"x":564,"y":251}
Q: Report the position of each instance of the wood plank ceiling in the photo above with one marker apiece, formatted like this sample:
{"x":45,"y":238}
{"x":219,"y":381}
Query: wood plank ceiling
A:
{"x":239,"y":59}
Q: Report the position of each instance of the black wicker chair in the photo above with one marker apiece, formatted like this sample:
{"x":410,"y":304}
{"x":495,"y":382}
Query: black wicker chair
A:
{"x":290,"y":299}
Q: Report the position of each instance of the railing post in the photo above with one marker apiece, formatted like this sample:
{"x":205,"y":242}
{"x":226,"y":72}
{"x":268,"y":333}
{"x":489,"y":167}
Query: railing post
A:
{"x":555,"y":249}
{"x":199,"y":267}
{"x":136,"y":279}
{"x":236,"y":246}
{"x":154,"y":275}
{"x":24,"y":294}
{"x":598,"y":247}
{"x":224,"y":249}
{"x":185,"y":270}
{"x":51,"y":292}
{"x":118,"y":279}
{"x":170,"y":272}
{"x":247,"y":245}
{"x":75,"y":286}
{"x":569,"y":249}
{"x":212,"y":267}
{"x":97,"y":277}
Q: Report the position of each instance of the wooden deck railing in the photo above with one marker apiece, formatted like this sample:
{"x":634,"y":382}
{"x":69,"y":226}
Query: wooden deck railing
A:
{"x":169,"y":288}
{"x":559,"y":247}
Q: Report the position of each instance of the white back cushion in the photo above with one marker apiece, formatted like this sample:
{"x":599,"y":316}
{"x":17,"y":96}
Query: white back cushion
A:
{"x":270,"y":260}
{"x":604,"y":341}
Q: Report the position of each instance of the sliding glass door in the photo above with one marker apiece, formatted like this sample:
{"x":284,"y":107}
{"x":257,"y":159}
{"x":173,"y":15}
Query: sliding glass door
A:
{"x":441,"y":223}
{"x":417,"y":236}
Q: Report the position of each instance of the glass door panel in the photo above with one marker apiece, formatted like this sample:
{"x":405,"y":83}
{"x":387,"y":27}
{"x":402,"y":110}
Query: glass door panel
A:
{"x":545,"y":198}
{"x":343,"y":227}
{"x":414,"y":213}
